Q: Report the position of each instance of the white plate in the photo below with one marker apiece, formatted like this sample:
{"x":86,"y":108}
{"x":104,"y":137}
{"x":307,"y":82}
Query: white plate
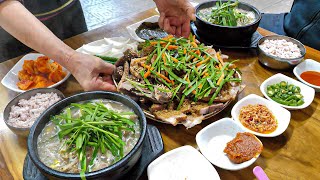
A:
{"x":282,"y":115}
{"x":113,"y":47}
{"x":182,"y":163}
{"x":11,"y":79}
{"x":306,"y":91}
{"x":132,"y":28}
{"x":213,"y":139}
{"x":307,"y":65}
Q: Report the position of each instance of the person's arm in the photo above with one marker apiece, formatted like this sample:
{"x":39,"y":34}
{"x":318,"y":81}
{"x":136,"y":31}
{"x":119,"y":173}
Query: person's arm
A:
{"x":175,"y":16}
{"x":91,"y":72}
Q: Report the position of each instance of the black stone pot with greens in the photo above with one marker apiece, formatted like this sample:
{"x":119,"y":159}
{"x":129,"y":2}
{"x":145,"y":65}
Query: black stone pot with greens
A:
{"x":114,"y":171}
{"x":226,"y":32}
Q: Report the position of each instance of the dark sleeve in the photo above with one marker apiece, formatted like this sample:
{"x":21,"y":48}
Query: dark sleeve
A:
{"x":1,"y":1}
{"x":303,"y":22}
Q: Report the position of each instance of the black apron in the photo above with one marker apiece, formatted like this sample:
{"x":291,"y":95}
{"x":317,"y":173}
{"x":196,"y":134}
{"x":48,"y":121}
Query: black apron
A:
{"x":63,"y":17}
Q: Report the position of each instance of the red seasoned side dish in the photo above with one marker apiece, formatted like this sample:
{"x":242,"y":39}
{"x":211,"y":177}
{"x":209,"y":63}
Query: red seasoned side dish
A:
{"x":258,"y":118}
{"x":39,"y":73}
{"x":243,"y":147}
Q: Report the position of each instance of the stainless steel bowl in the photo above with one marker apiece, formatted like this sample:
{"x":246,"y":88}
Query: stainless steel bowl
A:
{"x":24,"y":132}
{"x":278,"y":63}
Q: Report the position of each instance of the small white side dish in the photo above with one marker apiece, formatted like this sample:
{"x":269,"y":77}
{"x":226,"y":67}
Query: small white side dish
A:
{"x":113,"y":47}
{"x":182,"y":163}
{"x":10,"y":80}
{"x":282,"y":115}
{"x":132,"y":28}
{"x":214,"y":138}
{"x":306,"y":91}
{"x":307,"y":65}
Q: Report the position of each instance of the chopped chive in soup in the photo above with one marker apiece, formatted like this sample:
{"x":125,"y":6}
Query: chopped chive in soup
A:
{"x":88,"y":136}
{"x":227,"y":14}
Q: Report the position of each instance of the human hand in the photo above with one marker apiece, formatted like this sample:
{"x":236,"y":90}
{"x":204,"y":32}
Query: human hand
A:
{"x":175,"y":16}
{"x":91,"y":72}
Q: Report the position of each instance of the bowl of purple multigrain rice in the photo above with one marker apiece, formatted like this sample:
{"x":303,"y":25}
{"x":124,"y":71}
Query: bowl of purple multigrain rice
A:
{"x":24,"y":109}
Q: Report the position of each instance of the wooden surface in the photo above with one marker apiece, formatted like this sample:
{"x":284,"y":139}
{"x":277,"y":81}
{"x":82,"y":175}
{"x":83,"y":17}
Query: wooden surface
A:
{"x":292,"y":155}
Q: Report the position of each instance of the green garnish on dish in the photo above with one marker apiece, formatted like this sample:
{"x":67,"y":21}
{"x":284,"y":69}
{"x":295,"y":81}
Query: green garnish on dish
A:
{"x":227,"y":14}
{"x":286,"y":94}
{"x":88,"y":136}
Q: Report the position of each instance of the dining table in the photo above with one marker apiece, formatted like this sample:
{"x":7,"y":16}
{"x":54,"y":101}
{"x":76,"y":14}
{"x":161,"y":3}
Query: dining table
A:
{"x":291,"y":155}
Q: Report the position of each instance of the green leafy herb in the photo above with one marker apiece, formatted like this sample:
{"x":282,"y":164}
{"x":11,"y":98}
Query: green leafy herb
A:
{"x":96,"y":127}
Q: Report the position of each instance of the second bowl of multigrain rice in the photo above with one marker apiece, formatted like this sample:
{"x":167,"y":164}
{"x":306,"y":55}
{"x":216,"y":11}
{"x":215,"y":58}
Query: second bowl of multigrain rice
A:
{"x":280,"y":52}
{"x":23,"y":110}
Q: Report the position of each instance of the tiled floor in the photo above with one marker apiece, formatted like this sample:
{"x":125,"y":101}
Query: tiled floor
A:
{"x":99,"y":12}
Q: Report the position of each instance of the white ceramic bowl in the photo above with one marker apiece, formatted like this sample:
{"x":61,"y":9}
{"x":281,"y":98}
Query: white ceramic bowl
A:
{"x":10,"y":80}
{"x":213,"y":139}
{"x":306,"y":91}
{"x":182,"y":163}
{"x":132,"y":28}
{"x":282,"y":115}
{"x":307,"y":65}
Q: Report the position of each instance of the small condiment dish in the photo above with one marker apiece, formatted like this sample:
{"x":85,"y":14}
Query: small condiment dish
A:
{"x":306,"y":91}
{"x":214,"y":138}
{"x":10,"y":80}
{"x":282,"y":115}
{"x":24,"y":132}
{"x":307,"y":65}
{"x":182,"y":163}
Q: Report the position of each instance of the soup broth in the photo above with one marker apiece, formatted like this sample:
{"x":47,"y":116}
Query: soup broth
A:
{"x":247,"y":17}
{"x":53,"y":152}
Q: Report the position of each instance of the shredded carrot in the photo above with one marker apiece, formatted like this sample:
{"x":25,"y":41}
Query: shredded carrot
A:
{"x":184,"y":51}
{"x":168,"y":37}
{"x":206,"y":74}
{"x":200,"y":86}
{"x":174,"y":59}
{"x":194,"y":44}
{"x":198,"y":52}
{"x":156,"y":42}
{"x":220,"y":79}
{"x":202,"y":62}
{"x":205,"y":71}
{"x":164,"y":77}
{"x":145,"y":66}
{"x":164,"y":59}
{"x":148,"y":72}
{"x":172,"y":47}
{"x":195,"y":59}
{"x":187,"y":79}
{"x":194,"y":92}
{"x":194,"y":38}
{"x":219,"y":58}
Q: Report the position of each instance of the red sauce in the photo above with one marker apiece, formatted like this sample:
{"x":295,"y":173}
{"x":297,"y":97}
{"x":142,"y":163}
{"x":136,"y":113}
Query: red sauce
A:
{"x":312,"y":77}
{"x":243,"y":147}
